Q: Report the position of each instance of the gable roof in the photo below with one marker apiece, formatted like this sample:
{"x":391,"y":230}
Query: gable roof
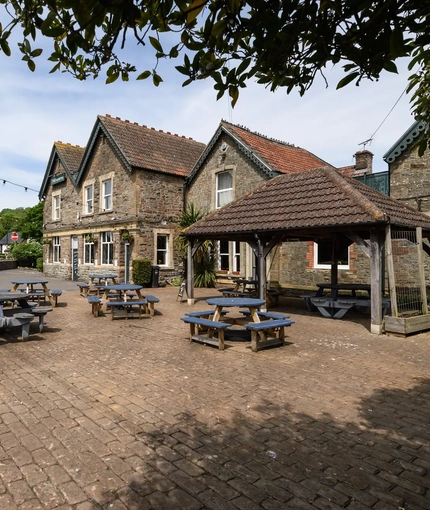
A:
{"x":140,"y":147}
{"x":274,"y":157}
{"x":70,"y":157}
{"x":303,"y":202}
{"x":405,"y":141}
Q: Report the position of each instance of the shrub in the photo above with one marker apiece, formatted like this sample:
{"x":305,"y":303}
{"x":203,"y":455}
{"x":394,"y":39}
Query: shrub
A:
{"x":39,"y":264}
{"x":26,"y":254}
{"x":141,"y":272}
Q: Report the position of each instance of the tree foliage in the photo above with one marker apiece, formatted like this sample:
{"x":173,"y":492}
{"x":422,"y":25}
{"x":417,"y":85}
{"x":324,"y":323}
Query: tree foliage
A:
{"x":279,"y":43}
{"x":27,"y":221}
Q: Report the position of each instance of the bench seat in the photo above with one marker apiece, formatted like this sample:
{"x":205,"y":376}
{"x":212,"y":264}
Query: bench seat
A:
{"x":151,"y":303}
{"x":238,"y":293}
{"x":20,"y":319}
{"x":96,"y":305}
{"x":268,"y":333}
{"x":54,"y":296}
{"x":83,"y":288}
{"x":40,"y":312}
{"x":209,"y":326}
{"x":272,"y":296}
{"x":127,"y":307}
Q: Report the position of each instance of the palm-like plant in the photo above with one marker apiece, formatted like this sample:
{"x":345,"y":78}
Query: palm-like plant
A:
{"x":205,"y":257}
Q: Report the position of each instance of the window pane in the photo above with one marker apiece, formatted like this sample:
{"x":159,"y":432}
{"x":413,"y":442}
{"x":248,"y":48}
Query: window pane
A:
{"x":225,"y":180}
{"x":162,"y":250}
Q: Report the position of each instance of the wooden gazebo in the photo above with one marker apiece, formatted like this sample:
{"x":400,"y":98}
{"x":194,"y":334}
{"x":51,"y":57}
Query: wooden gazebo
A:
{"x":309,"y":206}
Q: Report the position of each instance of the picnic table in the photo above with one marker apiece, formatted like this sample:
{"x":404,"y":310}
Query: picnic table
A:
{"x":121,"y":303}
{"x":103,"y":279}
{"x":35,"y":288}
{"x":341,"y":298}
{"x":263,"y":333}
{"x":22,"y":315}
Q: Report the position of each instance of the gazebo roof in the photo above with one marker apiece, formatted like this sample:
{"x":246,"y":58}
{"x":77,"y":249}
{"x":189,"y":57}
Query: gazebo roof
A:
{"x":305,"y":205}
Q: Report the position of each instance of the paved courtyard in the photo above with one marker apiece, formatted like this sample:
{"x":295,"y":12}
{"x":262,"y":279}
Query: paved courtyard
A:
{"x":101,"y":414}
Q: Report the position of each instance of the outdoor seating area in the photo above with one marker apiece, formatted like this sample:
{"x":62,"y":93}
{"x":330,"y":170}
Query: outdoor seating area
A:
{"x":214,"y":326}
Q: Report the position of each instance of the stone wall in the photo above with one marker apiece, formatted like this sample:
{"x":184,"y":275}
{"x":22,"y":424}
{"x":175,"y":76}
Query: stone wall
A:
{"x":7,"y":264}
{"x":410,"y":180}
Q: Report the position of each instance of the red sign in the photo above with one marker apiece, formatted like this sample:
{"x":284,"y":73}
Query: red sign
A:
{"x":14,"y":236}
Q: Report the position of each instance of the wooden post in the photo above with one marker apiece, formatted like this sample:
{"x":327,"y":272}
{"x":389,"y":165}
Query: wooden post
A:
{"x":390,"y":268}
{"x":376,"y":278}
{"x":421,"y":270}
{"x":334,"y":271}
{"x":190,"y":273}
{"x":261,"y":262}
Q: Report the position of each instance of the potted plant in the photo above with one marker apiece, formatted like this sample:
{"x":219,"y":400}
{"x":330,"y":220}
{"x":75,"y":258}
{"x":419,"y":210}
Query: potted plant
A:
{"x":90,"y":238}
{"x":127,"y":237}
{"x":47,"y":241}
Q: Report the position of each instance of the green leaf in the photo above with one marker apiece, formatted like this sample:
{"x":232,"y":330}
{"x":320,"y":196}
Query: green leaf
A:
{"x":31,"y":65}
{"x":113,"y":77}
{"x":390,"y":67}
{"x":194,"y":10}
{"x":155,"y":43}
{"x":144,"y":75}
{"x":4,"y":45}
{"x":156,"y":79}
{"x":348,"y":79}
{"x":233,"y":92}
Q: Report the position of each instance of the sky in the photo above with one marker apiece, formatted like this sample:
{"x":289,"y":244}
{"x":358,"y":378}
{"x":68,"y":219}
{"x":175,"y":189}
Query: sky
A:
{"x":39,"y":108}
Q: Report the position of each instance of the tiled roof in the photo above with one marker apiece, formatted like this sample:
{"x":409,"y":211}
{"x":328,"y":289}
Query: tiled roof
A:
{"x":147,"y":148}
{"x":279,"y":156}
{"x":316,"y":199}
{"x":71,"y":155}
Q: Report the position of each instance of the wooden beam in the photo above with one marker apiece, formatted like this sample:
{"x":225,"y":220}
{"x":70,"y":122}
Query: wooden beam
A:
{"x":390,"y":268}
{"x":190,"y":273}
{"x":362,"y":243}
{"x":376,"y":244}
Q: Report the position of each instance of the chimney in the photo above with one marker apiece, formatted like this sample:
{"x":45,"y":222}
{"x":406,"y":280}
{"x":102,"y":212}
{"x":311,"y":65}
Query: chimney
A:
{"x":363,"y":162}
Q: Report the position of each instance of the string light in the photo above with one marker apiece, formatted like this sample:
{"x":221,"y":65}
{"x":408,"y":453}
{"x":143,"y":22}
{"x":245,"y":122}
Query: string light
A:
{"x":26,"y":188}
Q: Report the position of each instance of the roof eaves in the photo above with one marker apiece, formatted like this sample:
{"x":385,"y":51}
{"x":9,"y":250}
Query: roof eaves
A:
{"x":47,"y":175}
{"x":98,"y":126}
{"x":405,"y":141}
{"x":203,"y":156}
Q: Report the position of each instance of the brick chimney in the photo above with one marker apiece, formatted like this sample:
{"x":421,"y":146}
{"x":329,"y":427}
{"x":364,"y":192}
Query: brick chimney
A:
{"x":363,"y":162}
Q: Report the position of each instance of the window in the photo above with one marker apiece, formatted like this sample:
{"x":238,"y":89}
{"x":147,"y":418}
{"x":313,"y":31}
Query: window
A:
{"x":89,"y":251}
{"x":107,"y":195}
{"x":229,"y":256}
{"x":224,"y":188}
{"x":162,"y":250}
{"x":224,"y":256}
{"x":107,"y":248}
{"x":56,"y":249}
{"x":236,"y":256}
{"x":88,"y":199}
{"x":56,"y":207}
{"x":323,"y":252}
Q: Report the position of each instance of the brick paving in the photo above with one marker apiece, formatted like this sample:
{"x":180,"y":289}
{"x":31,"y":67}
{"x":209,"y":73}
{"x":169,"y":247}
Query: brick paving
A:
{"x":101,"y":414}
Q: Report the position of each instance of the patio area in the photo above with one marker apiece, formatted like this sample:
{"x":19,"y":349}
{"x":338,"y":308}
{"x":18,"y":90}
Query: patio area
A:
{"x":98,"y":414}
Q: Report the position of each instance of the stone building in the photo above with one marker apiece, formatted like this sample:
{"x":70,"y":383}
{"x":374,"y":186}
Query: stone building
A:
{"x":236,"y":161}
{"x":410,"y":172}
{"x":117,"y":199}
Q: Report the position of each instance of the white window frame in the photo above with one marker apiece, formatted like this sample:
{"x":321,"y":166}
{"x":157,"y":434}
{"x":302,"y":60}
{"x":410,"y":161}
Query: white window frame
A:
{"x":89,"y":199}
{"x":56,"y":206}
{"x":236,"y":256}
{"x":220,"y":192}
{"x":56,"y":249}
{"x":169,"y":248}
{"x":164,"y":251}
{"x":89,"y":250}
{"x":106,"y":248}
{"x":107,"y":197}
{"x":328,"y":266}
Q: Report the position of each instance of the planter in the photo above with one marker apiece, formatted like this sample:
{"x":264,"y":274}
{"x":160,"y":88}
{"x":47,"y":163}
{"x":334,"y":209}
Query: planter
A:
{"x":222,"y":271}
{"x":404,"y":326}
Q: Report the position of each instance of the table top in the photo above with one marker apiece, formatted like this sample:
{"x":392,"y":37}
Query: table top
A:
{"x":344,"y":286}
{"x":28,"y":282}
{"x":9,"y":296}
{"x":103,"y":276}
{"x":246,"y":302}
{"x":245,"y":280}
{"x":123,"y":286}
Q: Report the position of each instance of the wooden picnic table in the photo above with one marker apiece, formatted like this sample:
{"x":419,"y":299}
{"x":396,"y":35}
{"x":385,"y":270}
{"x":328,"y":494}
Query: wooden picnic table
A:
{"x":33,"y":286}
{"x":20,"y":316}
{"x":103,"y":279}
{"x":124,"y":301}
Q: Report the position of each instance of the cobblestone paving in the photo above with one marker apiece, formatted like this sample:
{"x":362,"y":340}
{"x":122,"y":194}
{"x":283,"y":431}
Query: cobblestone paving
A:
{"x":101,"y":414}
